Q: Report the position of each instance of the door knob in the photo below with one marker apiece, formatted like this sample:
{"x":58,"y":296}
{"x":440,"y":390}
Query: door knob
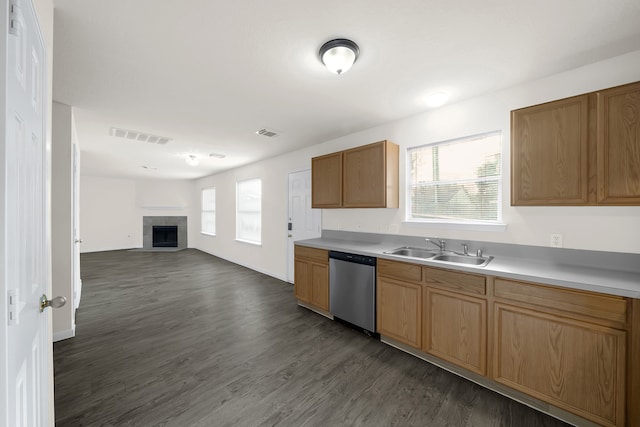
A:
{"x":56,"y":302}
{"x":78,"y":240}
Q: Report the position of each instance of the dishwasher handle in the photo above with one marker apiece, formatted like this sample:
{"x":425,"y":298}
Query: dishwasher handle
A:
{"x":355,"y":258}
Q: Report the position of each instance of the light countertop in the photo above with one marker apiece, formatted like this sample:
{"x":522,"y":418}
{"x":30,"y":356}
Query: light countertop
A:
{"x":552,"y":270}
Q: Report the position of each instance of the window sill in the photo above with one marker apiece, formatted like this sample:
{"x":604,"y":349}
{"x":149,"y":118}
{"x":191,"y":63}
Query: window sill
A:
{"x":208,"y":234}
{"x":249,"y":242}
{"x":453,"y":225}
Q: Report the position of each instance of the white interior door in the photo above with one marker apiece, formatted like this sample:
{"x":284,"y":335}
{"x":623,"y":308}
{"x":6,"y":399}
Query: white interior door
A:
{"x":26,"y":332}
{"x":303,"y":222}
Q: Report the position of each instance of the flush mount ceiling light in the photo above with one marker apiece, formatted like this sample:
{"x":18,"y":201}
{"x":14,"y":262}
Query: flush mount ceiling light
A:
{"x":436,"y":99}
{"x":339,"y":55}
{"x":192,"y":160}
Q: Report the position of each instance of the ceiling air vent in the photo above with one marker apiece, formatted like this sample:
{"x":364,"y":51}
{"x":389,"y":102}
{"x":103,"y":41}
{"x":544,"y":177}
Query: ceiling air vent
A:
{"x":267,"y":132}
{"x":139,"y":136}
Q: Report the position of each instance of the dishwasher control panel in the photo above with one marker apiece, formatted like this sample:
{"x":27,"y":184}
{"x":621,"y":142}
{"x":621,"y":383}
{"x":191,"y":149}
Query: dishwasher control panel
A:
{"x":358,"y":259}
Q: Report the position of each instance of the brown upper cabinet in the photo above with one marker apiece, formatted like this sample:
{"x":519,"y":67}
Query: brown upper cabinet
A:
{"x":583,"y":150}
{"x":619,"y":145}
{"x":326,"y":181}
{"x":549,"y":153}
{"x":362,"y":177}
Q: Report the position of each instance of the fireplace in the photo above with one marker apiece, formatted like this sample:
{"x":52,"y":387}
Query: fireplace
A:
{"x":165,"y":236}
{"x":164,"y":233}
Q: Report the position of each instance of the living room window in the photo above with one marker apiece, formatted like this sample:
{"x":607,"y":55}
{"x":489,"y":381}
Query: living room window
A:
{"x":208,"y":213}
{"x":249,"y":211}
{"x":457,"y":181}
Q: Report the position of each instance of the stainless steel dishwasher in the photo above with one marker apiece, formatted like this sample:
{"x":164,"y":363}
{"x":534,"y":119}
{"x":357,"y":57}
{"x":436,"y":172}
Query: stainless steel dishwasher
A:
{"x":352,"y":289}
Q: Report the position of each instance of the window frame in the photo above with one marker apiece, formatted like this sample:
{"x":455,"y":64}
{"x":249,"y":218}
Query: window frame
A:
{"x":453,"y":223}
{"x":240,"y":238}
{"x":203,"y":211}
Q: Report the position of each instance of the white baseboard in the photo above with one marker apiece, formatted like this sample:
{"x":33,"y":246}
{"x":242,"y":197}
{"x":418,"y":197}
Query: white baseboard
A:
{"x":252,"y":267}
{"x":63,"y":335}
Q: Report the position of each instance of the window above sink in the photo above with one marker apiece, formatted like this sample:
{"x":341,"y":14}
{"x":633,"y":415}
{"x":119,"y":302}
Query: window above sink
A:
{"x":456,"y":182}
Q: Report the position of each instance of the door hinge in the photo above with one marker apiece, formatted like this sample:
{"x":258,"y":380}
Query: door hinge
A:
{"x":15,"y":21}
{"x":13,"y":309}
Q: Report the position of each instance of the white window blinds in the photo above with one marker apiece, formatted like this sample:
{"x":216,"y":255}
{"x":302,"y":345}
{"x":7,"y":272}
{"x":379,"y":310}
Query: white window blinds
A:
{"x":208,"y":213}
{"x":249,"y":211}
{"x":458,"y":180}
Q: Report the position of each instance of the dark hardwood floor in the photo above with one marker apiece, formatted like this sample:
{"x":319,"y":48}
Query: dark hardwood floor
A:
{"x":188,"y":339}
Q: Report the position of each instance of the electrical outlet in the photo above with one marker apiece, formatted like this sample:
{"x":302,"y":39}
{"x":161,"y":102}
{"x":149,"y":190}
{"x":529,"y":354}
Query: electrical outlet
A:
{"x":555,"y":240}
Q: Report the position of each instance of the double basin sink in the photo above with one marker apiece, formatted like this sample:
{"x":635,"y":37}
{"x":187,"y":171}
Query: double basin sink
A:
{"x":450,"y":257}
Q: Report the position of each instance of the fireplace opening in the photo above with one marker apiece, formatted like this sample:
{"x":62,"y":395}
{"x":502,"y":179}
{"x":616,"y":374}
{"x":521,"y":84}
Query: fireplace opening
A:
{"x":165,"y":236}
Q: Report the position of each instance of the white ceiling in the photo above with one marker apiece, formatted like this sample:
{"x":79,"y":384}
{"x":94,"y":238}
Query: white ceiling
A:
{"x":210,"y":73}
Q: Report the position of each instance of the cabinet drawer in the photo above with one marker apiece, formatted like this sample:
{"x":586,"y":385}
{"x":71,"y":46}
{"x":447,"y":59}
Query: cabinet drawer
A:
{"x":400,"y":270}
{"x":318,"y":255}
{"x":461,"y":282}
{"x":568,"y":301}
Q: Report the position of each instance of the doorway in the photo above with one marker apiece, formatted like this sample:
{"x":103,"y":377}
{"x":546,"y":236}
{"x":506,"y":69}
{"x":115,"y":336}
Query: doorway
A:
{"x":303,"y":221}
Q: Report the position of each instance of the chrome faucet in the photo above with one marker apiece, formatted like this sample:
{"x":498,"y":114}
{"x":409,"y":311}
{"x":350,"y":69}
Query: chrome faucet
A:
{"x":465,"y":249}
{"x":441,"y":245}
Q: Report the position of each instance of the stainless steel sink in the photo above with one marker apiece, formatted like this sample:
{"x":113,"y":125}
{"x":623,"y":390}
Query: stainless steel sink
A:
{"x":451,"y":257}
{"x":412,"y":252}
{"x":463,"y":259}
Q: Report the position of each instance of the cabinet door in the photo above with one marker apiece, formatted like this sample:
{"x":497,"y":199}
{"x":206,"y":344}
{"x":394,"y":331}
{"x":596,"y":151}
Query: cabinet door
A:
{"x":574,"y":365}
{"x":302,"y":283}
{"x":320,"y":286}
{"x":370,"y":175}
{"x":399,"y":310}
{"x":619,"y":145}
{"x":326,"y":181}
{"x":455,"y":329}
{"x":549,"y":153}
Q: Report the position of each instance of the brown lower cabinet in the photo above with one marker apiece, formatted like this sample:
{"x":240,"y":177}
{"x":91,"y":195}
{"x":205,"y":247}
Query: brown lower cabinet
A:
{"x":574,"y":365}
{"x":399,"y":301}
{"x":563,"y":346}
{"x":455,"y":329}
{"x":399,"y":310}
{"x":575,"y":350}
{"x":311,"y":276}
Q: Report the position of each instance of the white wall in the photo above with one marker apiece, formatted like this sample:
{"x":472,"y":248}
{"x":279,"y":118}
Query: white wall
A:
{"x":270,"y":257}
{"x":63,"y":139}
{"x":107,"y":214}
{"x":111,"y":209}
{"x":615,"y":229}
